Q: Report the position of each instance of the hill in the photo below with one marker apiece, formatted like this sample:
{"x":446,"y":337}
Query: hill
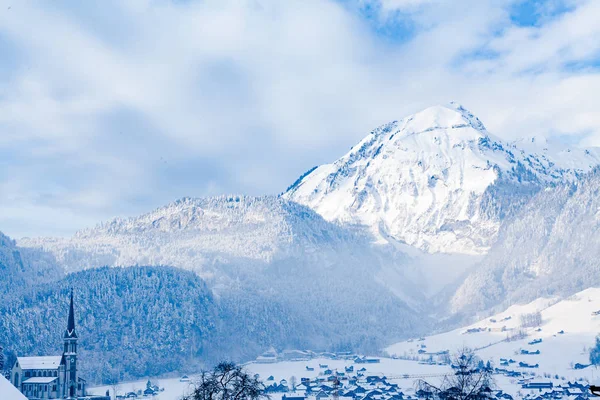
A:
{"x":564,"y":335}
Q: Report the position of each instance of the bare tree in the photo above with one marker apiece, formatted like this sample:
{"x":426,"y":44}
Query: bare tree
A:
{"x":113,"y":377}
{"x":471,"y":380}
{"x":227,"y":381}
{"x":531,"y":320}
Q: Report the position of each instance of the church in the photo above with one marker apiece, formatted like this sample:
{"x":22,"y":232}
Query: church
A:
{"x":51,"y":377}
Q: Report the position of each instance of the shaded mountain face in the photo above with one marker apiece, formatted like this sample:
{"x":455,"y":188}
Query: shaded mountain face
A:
{"x":437,"y":180}
{"x":22,"y":267}
{"x":282,"y":275}
{"x":549,"y":248}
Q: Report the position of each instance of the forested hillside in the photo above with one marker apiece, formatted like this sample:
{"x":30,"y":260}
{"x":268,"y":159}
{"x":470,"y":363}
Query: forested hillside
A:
{"x":132,"y":322}
{"x":21,"y":267}
{"x":283,"y":275}
{"x":146,"y":321}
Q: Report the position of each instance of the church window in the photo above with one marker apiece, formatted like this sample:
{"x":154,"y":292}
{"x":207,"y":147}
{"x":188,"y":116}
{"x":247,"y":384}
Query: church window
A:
{"x":44,"y":374}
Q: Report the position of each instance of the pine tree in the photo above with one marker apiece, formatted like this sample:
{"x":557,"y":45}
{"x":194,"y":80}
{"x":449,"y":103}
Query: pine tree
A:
{"x":595,"y":353}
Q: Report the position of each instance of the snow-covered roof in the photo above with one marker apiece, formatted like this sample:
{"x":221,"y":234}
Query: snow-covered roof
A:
{"x":40,"y":379}
{"x":44,"y":362}
{"x":8,"y":391}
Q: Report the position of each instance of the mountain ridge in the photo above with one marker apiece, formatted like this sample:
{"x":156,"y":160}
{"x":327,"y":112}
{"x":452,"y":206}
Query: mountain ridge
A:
{"x":549,"y":248}
{"x":269,"y":256}
{"x":431,"y":180}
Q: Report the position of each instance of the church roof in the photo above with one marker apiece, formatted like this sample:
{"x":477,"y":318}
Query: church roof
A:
{"x":40,"y":379}
{"x":44,"y":362}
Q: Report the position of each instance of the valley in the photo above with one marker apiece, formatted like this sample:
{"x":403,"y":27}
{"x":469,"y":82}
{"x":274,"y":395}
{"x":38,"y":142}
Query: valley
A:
{"x":564,"y":334}
{"x":428,"y":224}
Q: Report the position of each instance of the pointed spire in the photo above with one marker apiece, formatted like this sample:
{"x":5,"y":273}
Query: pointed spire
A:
{"x":70,"y":332}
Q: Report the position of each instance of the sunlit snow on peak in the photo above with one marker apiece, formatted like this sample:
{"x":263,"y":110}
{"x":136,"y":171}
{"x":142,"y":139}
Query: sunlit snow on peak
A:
{"x":431,"y":180}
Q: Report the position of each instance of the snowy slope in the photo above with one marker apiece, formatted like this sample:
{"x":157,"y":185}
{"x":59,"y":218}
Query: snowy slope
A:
{"x":558,"y":351}
{"x":205,"y":234}
{"x":437,"y":180}
{"x":8,"y":391}
{"x":549,"y":248}
{"x":184,"y":233}
{"x":273,"y":265}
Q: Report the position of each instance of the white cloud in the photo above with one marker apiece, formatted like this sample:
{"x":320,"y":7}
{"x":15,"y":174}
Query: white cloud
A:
{"x":116,"y":107}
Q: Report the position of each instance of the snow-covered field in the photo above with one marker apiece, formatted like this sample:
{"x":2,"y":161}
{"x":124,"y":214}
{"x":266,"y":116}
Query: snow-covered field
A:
{"x":174,"y":389}
{"x":559,"y":352}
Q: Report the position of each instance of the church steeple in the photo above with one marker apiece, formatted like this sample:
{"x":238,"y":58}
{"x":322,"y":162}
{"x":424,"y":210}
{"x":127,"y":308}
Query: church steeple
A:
{"x":70,"y":356}
{"x":70,"y":332}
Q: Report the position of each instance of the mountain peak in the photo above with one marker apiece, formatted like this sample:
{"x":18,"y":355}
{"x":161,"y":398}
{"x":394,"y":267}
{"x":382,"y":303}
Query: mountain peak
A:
{"x":451,"y":115}
{"x":428,"y":180}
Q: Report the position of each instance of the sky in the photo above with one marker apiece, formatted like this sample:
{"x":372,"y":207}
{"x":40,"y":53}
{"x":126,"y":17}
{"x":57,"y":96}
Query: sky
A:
{"x":116,"y":107}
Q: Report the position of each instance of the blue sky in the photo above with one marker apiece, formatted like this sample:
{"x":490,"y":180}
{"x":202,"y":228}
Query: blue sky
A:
{"x":114,"y":108}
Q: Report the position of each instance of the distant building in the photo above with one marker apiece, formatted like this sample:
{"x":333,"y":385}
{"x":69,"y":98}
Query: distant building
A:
{"x":365,"y":360}
{"x":52,"y":377}
{"x":537,"y":385}
{"x":286,"y":397}
{"x":268,"y":357}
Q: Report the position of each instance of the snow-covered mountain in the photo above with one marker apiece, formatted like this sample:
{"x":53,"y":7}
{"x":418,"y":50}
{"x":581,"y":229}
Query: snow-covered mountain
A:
{"x":437,"y":180}
{"x":195,"y":234}
{"x":204,"y":234}
{"x":266,"y":259}
{"x":550,"y":247}
{"x":430,"y":184}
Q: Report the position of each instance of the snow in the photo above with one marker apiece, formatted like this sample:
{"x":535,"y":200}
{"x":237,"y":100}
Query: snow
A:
{"x":43,"y":362}
{"x":558,"y":351}
{"x":549,"y":248}
{"x":422,"y":180}
{"x":8,"y":391}
{"x":395,"y":371}
{"x":40,"y":379}
{"x":174,"y":389}
{"x":391,"y":368}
